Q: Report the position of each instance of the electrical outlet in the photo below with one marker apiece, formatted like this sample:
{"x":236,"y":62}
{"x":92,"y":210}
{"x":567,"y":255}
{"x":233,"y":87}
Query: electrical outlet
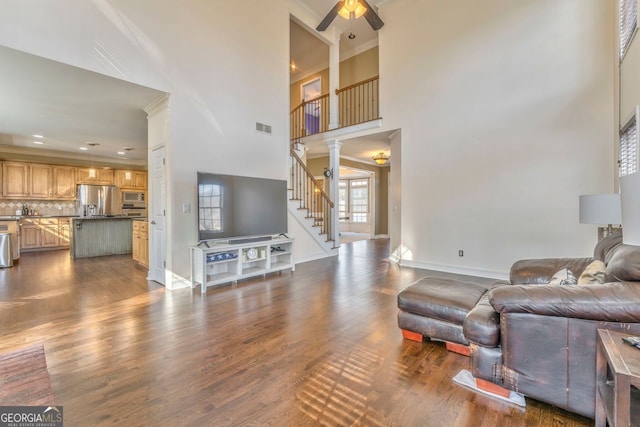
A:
{"x":460,"y":252}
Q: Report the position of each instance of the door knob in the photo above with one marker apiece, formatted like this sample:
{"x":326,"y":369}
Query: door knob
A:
{"x":153,"y":223}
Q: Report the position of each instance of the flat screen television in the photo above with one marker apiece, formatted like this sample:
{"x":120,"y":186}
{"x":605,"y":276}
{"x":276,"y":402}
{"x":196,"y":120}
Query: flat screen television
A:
{"x":234,"y":207}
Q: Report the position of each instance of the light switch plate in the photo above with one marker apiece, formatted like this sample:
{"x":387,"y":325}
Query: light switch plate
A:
{"x":186,"y":207}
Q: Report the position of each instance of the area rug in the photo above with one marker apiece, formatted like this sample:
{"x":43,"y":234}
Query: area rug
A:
{"x":24,"y":379}
{"x":465,"y":379}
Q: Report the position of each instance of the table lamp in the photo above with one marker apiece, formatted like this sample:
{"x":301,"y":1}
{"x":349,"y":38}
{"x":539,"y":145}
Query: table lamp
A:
{"x":601,"y":209}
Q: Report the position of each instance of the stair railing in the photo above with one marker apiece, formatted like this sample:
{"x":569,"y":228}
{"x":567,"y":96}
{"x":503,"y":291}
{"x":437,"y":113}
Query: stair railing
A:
{"x":312,"y":197}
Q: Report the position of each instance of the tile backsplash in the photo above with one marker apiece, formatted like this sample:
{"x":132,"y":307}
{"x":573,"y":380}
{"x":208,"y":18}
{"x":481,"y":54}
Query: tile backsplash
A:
{"x":43,"y":207}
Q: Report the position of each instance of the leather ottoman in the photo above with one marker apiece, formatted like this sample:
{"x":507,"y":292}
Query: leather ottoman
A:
{"x":436,"y":308}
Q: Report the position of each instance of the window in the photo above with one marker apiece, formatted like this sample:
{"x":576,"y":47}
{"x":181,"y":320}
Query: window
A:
{"x":628,"y":21}
{"x":211,"y":207}
{"x":353,"y":200}
{"x":359,"y":200}
{"x":628,"y":155}
{"x":342,"y":200}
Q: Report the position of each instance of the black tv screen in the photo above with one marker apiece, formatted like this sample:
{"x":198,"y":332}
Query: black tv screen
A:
{"x":231,"y":206}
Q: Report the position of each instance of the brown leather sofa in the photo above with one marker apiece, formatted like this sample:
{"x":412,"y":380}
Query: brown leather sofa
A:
{"x":540,"y":339}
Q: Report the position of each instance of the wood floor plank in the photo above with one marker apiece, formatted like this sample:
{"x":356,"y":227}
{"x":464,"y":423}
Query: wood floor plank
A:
{"x":319,"y":346}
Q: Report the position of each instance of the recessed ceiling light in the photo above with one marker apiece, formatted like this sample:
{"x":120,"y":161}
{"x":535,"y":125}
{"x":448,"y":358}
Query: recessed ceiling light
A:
{"x":121,"y":153}
{"x":38,"y":142}
{"x":84,"y":148}
{"x":37,"y":136}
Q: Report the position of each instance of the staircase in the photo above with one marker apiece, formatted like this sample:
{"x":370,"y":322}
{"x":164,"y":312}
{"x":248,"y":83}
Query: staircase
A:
{"x":310,"y":204}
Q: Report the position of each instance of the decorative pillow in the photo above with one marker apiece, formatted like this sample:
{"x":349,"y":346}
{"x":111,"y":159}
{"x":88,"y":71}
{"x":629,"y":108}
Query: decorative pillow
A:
{"x":563,"y":277}
{"x":593,"y":273}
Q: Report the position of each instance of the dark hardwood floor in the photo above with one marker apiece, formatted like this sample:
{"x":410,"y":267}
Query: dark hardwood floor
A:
{"x":319,"y":346}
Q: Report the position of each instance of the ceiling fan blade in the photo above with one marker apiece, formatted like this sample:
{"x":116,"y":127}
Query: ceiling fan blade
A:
{"x":330,"y":17}
{"x":371,"y":16}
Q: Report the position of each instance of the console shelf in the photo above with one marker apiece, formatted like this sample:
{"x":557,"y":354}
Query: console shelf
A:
{"x":222,"y":263}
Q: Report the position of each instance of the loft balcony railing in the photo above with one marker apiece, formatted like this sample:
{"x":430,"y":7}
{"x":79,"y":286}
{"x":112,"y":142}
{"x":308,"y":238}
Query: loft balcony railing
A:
{"x":357,"y":104}
{"x":310,"y":117}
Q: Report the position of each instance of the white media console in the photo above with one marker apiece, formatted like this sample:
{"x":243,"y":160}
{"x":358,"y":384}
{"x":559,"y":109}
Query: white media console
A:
{"x":219,"y":263}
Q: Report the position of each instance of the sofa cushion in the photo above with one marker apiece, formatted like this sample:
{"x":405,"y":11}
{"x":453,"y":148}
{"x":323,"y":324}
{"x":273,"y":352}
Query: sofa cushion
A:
{"x":482,"y":324}
{"x":605,"y":248}
{"x":593,"y":274}
{"x":624,"y":264}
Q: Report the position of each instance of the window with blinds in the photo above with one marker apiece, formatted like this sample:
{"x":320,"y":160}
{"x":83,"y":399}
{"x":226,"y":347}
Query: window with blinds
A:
{"x":628,"y":160}
{"x":628,"y":23}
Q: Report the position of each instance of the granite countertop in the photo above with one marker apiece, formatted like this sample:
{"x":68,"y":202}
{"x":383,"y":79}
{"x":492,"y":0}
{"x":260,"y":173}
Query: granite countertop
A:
{"x":19,"y":217}
{"x":98,"y":217}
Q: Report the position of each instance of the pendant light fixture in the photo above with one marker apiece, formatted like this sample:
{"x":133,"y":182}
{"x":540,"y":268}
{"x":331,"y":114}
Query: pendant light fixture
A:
{"x":381,"y":158}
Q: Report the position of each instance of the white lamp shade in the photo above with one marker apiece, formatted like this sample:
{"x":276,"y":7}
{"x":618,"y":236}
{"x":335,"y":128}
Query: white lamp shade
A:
{"x":630,"y":191}
{"x":600,"y":209}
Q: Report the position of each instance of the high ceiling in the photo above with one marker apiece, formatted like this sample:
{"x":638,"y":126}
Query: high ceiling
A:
{"x":311,"y":55}
{"x":70,"y":107}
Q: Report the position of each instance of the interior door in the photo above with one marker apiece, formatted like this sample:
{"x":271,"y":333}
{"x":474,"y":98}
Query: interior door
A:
{"x":157,"y":223}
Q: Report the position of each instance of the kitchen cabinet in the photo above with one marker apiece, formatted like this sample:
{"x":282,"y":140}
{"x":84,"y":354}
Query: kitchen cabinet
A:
{"x":64,"y":183}
{"x":64,"y":231}
{"x":102,"y":176}
{"x":140,"y":242}
{"x":136,"y":181}
{"x":30,"y":235}
{"x":40,"y":181}
{"x":15,"y":180}
{"x":44,"y":233}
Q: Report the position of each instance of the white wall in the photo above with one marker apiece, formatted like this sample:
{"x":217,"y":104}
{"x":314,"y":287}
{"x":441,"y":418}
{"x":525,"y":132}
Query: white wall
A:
{"x":225,"y":64}
{"x":506,"y":111}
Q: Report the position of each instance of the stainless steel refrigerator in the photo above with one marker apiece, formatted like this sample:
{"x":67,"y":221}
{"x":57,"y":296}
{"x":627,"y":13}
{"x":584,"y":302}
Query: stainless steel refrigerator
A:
{"x":98,"y":200}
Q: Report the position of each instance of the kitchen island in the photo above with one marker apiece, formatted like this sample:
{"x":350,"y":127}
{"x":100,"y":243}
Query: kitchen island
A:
{"x":100,"y":235}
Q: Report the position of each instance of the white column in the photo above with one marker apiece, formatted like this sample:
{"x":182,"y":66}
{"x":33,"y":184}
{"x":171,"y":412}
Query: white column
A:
{"x":334,"y":165}
{"x":334,"y":81}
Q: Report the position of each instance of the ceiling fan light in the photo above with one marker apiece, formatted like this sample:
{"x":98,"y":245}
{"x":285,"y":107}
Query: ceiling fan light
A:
{"x":352,"y":6}
{"x":381,"y":158}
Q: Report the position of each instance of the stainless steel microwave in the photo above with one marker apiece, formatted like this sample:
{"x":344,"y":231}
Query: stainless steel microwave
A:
{"x":132,"y":197}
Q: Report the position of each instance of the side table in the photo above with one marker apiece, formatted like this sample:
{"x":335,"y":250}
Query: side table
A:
{"x":617,"y":381}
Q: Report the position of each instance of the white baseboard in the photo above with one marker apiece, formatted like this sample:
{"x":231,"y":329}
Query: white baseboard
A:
{"x":315,"y":257}
{"x":491,"y":274}
{"x":381,"y":236}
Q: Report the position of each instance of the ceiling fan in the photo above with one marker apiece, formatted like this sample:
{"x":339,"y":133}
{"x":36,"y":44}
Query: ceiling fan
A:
{"x":352,"y":9}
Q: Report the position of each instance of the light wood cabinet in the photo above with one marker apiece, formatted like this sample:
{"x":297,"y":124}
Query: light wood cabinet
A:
{"x":30,"y":234}
{"x":49,"y":237}
{"x":140,"y":242}
{"x":137,"y":180}
{"x":64,"y":231}
{"x":102,"y":176}
{"x":40,"y":181}
{"x":15,"y":180}
{"x":64,"y":182}
{"x":44,"y":233}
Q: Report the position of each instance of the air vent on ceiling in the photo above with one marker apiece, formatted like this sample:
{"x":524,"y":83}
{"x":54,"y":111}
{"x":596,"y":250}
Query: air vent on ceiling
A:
{"x":261,"y":127}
